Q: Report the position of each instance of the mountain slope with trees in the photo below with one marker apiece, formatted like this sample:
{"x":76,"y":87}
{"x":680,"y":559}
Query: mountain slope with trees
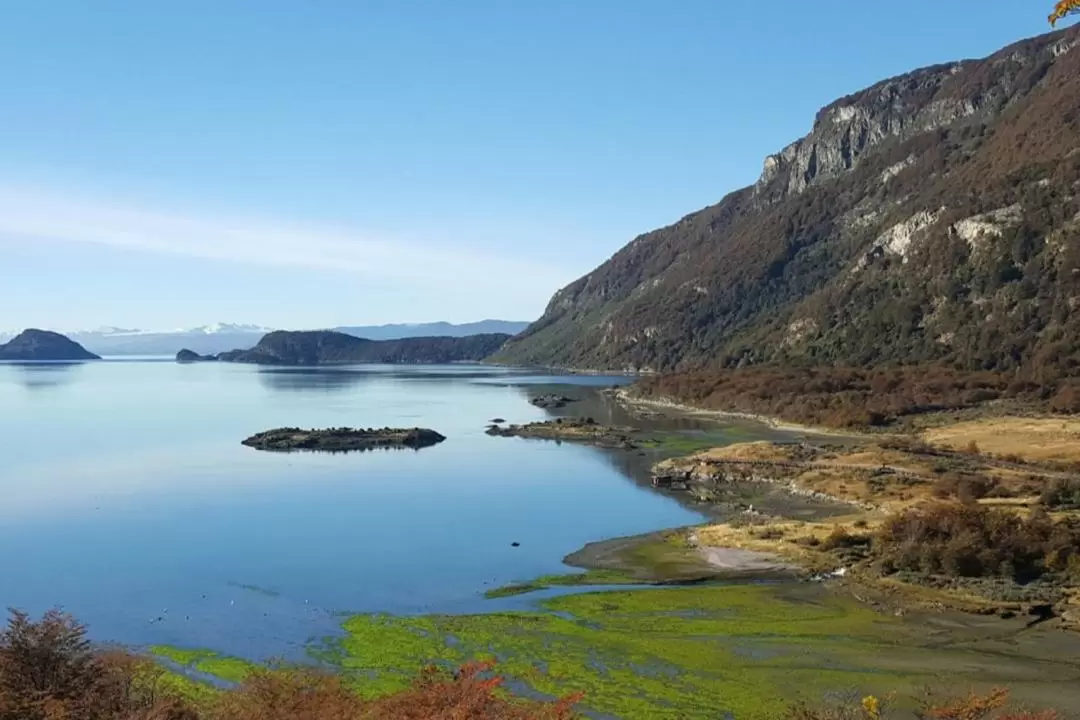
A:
{"x":326,"y":347}
{"x":931,"y":218}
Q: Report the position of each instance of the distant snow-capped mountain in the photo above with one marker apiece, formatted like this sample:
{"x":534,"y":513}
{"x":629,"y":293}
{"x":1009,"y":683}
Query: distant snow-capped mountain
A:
{"x":226,"y":328}
{"x":219,"y":337}
{"x":205,"y":339}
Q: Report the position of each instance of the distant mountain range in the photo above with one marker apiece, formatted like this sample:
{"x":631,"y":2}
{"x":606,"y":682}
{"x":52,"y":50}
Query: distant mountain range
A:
{"x":221,"y":337}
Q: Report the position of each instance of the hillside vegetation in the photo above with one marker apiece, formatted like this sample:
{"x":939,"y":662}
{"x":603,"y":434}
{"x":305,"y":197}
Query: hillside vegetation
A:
{"x":844,"y":397}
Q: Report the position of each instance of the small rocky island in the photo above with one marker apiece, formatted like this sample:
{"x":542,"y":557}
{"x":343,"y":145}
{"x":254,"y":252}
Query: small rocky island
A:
{"x":583,"y":430}
{"x":551,"y":401}
{"x":343,"y":439}
{"x":35,"y":345}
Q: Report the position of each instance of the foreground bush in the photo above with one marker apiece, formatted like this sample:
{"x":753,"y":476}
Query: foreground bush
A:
{"x":50,"y":671}
{"x":963,"y":540}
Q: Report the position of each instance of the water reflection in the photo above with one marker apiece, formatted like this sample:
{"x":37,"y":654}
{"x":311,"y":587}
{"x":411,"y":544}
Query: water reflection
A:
{"x":329,"y":379}
{"x":606,"y":410}
{"x":311,"y":379}
{"x":43,"y":376}
{"x":350,"y":451}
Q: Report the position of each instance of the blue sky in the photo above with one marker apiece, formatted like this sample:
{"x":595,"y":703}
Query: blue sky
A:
{"x":307,"y":164}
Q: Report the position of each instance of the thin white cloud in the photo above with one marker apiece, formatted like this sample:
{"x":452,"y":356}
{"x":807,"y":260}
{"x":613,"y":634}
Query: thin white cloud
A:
{"x":27,"y":214}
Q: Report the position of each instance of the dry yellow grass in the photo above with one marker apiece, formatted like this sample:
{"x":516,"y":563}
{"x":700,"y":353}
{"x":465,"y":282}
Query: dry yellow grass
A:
{"x":752,"y":451}
{"x":784,"y":538}
{"x":1033,"y":439}
{"x":844,"y":476}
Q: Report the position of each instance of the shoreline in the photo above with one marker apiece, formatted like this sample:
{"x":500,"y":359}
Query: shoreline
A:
{"x":774,"y":423}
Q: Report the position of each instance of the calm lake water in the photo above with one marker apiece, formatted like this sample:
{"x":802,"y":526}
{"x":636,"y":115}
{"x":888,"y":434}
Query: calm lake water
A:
{"x":127,"y":499}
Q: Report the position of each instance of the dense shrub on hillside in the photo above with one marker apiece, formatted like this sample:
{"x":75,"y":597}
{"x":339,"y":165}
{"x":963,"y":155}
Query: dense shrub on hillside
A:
{"x":49,"y":671}
{"x":1062,"y":494}
{"x":963,"y":540}
{"x":838,"y":397}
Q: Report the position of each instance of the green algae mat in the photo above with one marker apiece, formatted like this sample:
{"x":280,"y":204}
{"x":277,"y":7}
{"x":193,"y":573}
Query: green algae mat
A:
{"x":668,"y":653}
{"x":742,"y":651}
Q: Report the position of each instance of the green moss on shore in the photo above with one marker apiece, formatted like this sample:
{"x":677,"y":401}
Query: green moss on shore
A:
{"x":208,"y":662}
{"x":685,"y":652}
{"x":589,"y":577}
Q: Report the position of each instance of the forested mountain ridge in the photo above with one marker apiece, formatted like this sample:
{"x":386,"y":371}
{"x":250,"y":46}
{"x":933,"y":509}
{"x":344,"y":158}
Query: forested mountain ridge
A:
{"x":932,"y":217}
{"x":326,"y":347}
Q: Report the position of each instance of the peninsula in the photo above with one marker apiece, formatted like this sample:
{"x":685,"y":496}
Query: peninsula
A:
{"x":327,"y":347}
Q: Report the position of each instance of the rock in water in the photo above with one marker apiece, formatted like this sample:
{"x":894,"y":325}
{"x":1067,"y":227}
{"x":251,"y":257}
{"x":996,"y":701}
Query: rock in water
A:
{"x":36,"y":344}
{"x":343,"y":439}
{"x":551,"y":401}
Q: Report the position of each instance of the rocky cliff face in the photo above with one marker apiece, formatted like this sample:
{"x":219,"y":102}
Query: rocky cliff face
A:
{"x":919,"y":102}
{"x":43,"y":345}
{"x":326,"y":347}
{"x":930,"y":217}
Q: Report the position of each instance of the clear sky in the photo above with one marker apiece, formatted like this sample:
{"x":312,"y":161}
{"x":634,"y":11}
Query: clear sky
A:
{"x":297,"y":163}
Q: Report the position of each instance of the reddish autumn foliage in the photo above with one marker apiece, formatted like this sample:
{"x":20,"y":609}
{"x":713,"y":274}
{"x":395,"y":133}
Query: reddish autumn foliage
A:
{"x":470,"y":693}
{"x":992,"y":705}
{"x":49,"y":671}
{"x":1063,"y":8}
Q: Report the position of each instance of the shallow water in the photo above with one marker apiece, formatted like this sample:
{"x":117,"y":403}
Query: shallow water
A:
{"x":128,"y":499}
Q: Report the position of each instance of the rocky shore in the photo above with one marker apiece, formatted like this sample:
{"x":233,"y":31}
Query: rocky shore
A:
{"x":583,"y":430}
{"x":704,"y":478}
{"x":343,"y":439}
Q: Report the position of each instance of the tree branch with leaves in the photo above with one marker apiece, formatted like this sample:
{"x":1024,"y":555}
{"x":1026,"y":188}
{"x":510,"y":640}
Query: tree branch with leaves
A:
{"x":1063,"y":8}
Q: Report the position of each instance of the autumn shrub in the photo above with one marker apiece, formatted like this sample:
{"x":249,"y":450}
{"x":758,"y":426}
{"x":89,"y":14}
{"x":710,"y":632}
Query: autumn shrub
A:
{"x":50,"y":671}
{"x":471,"y":693}
{"x":960,"y":540}
{"x":848,"y":707}
{"x":971,"y":706}
{"x":966,"y":487}
{"x":1066,"y":399}
{"x":288,"y":694}
{"x":841,"y":538}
